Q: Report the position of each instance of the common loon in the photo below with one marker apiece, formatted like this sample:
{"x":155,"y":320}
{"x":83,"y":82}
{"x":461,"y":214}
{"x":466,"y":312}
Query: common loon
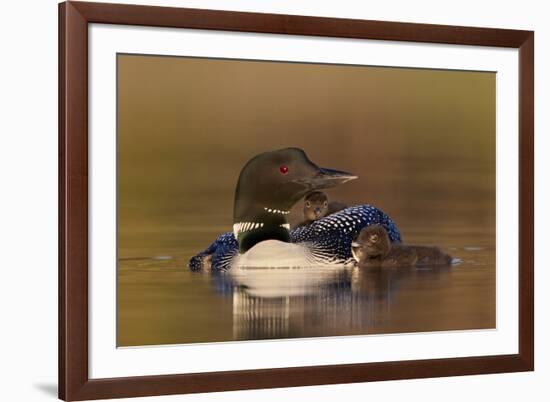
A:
{"x":268,"y":186}
{"x":317,"y":206}
{"x":373,"y":248}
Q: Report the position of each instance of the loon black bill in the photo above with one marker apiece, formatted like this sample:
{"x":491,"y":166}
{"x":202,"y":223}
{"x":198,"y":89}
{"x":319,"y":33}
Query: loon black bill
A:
{"x":326,"y":178}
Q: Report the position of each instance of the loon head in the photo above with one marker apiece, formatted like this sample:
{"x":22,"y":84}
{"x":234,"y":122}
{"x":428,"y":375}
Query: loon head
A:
{"x":269,"y":185}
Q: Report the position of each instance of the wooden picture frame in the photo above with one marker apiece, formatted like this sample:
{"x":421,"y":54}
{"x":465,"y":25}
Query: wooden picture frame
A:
{"x":74,"y":381}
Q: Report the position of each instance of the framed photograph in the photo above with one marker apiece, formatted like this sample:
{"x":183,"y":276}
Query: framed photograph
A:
{"x":260,"y":200}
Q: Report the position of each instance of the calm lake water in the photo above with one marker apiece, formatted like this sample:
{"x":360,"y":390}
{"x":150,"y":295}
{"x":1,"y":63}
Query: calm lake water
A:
{"x":421,"y":141}
{"x":161,"y":302}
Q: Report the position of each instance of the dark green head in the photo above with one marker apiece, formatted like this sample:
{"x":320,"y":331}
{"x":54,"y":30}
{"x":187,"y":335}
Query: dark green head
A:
{"x":269,"y":185}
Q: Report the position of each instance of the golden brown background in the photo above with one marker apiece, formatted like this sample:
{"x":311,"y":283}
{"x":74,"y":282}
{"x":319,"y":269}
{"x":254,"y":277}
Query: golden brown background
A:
{"x":421,"y":141}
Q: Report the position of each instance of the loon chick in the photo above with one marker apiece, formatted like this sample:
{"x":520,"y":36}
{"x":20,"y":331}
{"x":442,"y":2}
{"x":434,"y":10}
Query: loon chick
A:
{"x":373,"y":248}
{"x":317,"y":206}
{"x":268,"y":186}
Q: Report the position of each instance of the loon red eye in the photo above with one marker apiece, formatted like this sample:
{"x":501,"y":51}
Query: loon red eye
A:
{"x":283,"y":169}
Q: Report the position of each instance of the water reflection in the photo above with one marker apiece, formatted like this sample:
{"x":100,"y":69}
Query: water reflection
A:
{"x":286,"y":303}
{"x":161,"y":302}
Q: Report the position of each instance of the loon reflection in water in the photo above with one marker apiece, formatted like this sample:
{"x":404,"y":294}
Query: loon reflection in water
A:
{"x":280,"y":303}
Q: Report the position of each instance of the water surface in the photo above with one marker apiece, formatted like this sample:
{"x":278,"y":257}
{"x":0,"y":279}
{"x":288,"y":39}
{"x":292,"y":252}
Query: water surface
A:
{"x":162,"y":302}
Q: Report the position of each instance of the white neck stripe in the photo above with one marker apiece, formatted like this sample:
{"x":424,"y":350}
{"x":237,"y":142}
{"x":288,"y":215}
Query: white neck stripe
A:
{"x":242,"y":227}
{"x":245,"y":226}
{"x":276,"y":211}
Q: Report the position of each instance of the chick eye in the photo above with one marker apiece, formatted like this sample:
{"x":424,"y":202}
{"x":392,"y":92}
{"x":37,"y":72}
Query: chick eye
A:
{"x":325,"y":203}
{"x":308,"y":204}
{"x":283,"y":169}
